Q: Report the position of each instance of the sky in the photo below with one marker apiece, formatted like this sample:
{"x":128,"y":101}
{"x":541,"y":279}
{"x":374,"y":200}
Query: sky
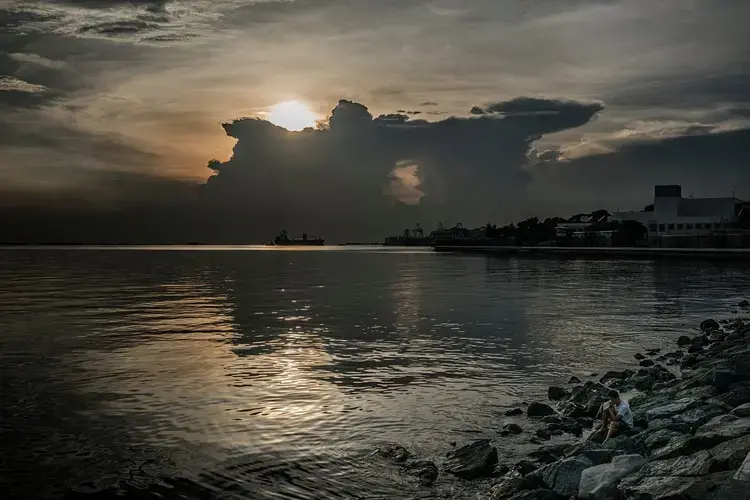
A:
{"x":149,"y":119}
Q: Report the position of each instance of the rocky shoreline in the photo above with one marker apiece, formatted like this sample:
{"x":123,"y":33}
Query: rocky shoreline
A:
{"x":690,"y":441}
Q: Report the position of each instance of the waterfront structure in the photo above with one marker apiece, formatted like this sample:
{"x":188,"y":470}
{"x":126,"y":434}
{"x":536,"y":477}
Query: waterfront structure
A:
{"x":673,"y":215}
{"x":577,"y":225}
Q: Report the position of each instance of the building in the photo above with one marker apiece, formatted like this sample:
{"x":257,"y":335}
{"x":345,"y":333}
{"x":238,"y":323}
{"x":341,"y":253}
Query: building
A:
{"x":577,"y":225}
{"x":673,"y":215}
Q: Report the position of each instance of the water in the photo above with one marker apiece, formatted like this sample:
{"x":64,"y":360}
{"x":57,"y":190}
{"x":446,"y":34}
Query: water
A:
{"x":242,"y":373}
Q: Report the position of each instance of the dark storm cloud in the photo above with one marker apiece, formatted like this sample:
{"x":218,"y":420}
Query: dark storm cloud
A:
{"x":343,"y":176}
{"x":713,"y":164}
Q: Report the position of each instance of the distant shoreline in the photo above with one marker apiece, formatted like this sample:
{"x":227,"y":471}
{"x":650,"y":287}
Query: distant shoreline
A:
{"x":602,"y":252}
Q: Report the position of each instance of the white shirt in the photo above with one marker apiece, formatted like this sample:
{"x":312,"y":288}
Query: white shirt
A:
{"x":623,"y":410}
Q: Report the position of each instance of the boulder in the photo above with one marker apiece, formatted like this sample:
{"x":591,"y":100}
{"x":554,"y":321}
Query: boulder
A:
{"x":725,"y":430}
{"x":472,"y":460}
{"x":654,"y":351}
{"x":743,"y":472}
{"x":548,"y":454}
{"x":507,"y":487}
{"x":673,"y":487}
{"x":574,"y":380}
{"x":540,"y":410}
{"x":600,"y":482}
{"x":525,"y":467}
{"x":683,"y":445}
{"x":744,"y":303}
{"x":695,"y":417}
{"x":695,"y":347}
{"x":668,"y":410}
{"x":639,"y":356}
{"x":737,"y":394}
{"x":716,"y":336}
{"x":742,"y":411}
{"x":708,"y":325}
{"x":425,"y":471}
{"x":544,"y":434}
{"x":644,"y":382}
{"x":654,"y":439}
{"x":513,"y":412}
{"x":562,"y":477}
{"x":600,"y":456}
{"x":538,"y":494}
{"x":557,"y":393}
{"x":684,"y":340}
{"x":614,"y":375}
{"x":646,"y":362}
{"x":509,"y":429}
{"x":393,"y":452}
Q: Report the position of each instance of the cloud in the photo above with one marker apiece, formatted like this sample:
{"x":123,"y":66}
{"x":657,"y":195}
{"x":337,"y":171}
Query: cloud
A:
{"x":349,"y":173}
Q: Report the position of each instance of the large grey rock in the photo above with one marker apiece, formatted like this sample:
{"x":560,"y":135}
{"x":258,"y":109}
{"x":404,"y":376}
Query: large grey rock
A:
{"x":673,"y":487}
{"x":562,"y":477}
{"x":393,"y":452}
{"x":683,"y":445}
{"x":724,"y":456}
{"x":472,"y":460}
{"x":614,"y":375}
{"x":600,"y":482}
{"x":555,"y":393}
{"x":737,"y":394}
{"x":653,"y":439}
{"x":668,"y":410}
{"x":425,"y":471}
{"x":695,"y":417}
{"x":540,"y":410}
{"x":742,"y":411}
{"x":725,"y":430}
{"x":743,"y":472}
{"x":709,"y":324}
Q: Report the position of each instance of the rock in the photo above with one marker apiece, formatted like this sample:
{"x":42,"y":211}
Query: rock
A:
{"x":525,"y":467}
{"x":654,"y":439}
{"x":737,"y":394}
{"x":723,"y":379}
{"x":674,"y":408}
{"x":653,"y":352}
{"x":695,"y":347}
{"x":601,"y":481}
{"x":683,"y":445}
{"x":688,"y":361}
{"x":551,"y":419}
{"x":716,"y":337}
{"x":562,"y":477}
{"x":424,"y":470}
{"x":614,"y":375}
{"x":742,"y":411}
{"x":557,"y":393}
{"x":538,"y":494}
{"x":544,"y":434}
{"x":744,"y":303}
{"x":708,"y":325}
{"x":725,"y":430}
{"x":600,"y":456}
{"x":684,"y":340}
{"x":702,"y":392}
{"x":507,"y":487}
{"x":393,"y":452}
{"x":644,"y":383}
{"x":509,"y":429}
{"x":540,"y":410}
{"x":696,"y":417}
{"x":574,"y":380}
{"x":639,"y":356}
{"x":514,"y":412}
{"x":472,"y":460}
{"x":672,"y":487}
{"x":646,"y":362}
{"x":743,"y":472}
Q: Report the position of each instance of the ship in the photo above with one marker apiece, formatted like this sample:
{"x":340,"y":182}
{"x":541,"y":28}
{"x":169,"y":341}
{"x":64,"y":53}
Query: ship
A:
{"x":282,"y":239}
{"x":410,"y":238}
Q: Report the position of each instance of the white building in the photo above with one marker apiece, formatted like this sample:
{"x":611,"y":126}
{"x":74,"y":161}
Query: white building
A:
{"x":673,"y":214}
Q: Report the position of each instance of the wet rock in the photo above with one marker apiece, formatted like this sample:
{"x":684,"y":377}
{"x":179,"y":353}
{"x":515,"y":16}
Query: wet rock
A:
{"x":536,"y":440}
{"x":557,"y":393}
{"x":725,"y":430}
{"x":425,"y":471}
{"x":562,"y":477}
{"x":684,"y":445}
{"x":507,"y":487}
{"x":723,"y":379}
{"x":472,"y":460}
{"x":684,"y":340}
{"x":744,"y":303}
{"x":737,"y":394}
{"x":538,"y":494}
{"x":540,"y":410}
{"x":514,"y":412}
{"x":544,"y":434}
{"x":646,"y":362}
{"x":672,"y":487}
{"x":709,"y":324}
{"x":688,"y":361}
{"x":644,"y":382}
{"x":674,"y":408}
{"x":696,"y":417}
{"x":525,"y":467}
{"x":743,"y":472}
{"x":654,"y":439}
{"x":601,"y":481}
{"x":653,"y":352}
{"x":393,"y":452}
{"x":716,"y":337}
{"x":574,"y":380}
{"x":639,"y":356}
{"x":551,"y":419}
{"x":702,"y":392}
{"x":600,"y":456}
{"x":509,"y":429}
{"x":742,"y":411}
{"x":695,"y":347}
{"x":614,"y":375}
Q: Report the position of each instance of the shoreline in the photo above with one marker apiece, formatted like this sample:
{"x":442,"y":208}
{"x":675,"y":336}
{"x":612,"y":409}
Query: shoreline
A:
{"x":600,"y":252}
{"x":690,"y":439}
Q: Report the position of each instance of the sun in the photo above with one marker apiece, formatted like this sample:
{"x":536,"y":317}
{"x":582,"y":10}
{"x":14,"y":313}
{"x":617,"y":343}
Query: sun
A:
{"x":292,"y":115}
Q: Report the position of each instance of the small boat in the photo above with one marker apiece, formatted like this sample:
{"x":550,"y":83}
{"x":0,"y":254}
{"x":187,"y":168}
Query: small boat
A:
{"x":282,"y":239}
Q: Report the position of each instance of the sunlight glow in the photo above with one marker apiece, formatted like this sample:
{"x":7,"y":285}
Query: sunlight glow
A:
{"x":292,"y":115}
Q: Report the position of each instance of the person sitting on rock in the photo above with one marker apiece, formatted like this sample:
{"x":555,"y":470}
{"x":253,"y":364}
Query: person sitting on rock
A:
{"x":616,"y":416}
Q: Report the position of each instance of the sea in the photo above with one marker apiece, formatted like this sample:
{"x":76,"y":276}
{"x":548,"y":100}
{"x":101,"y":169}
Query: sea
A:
{"x":265,"y":373}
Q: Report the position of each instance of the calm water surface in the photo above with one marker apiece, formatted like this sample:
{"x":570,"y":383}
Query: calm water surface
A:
{"x":241,"y":373}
